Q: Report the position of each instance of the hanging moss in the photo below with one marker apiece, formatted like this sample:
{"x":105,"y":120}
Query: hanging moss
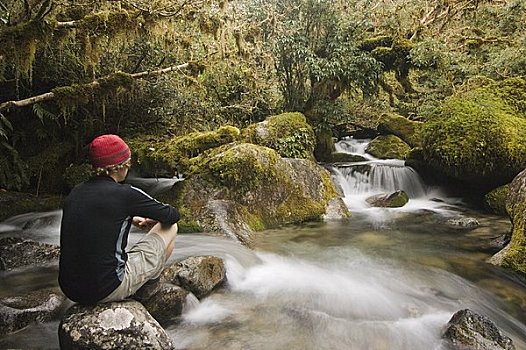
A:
{"x":19,"y":43}
{"x":70,"y":97}
{"x":115,"y":82}
{"x":110,"y":23}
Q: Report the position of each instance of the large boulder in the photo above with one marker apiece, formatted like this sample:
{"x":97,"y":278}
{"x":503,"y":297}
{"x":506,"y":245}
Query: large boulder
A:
{"x":388,"y":147}
{"x":158,"y":157}
{"x":495,"y":200}
{"x":118,"y":325}
{"x":18,"y":252}
{"x":467,"y":330}
{"x":19,"y":311}
{"x":254,"y":188}
{"x":167,"y":303}
{"x":513,"y":256}
{"x":198,"y":274}
{"x":407,"y":130}
{"x":288,"y":133}
{"x":479,"y":137}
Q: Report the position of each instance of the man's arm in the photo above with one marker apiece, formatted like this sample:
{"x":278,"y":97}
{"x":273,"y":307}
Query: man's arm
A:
{"x":150,"y":211}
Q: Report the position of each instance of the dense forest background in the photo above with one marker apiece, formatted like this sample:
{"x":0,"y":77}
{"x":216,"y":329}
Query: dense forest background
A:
{"x":70,"y":71}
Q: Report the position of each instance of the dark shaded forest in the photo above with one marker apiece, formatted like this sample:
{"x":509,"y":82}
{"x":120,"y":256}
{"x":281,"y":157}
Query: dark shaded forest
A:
{"x":70,"y":71}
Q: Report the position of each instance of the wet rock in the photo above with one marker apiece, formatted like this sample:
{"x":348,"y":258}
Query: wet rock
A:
{"x":342,"y":157}
{"x":513,"y":256}
{"x":463,"y":223}
{"x":467,"y":330}
{"x":38,"y":306}
{"x":394,"y":200}
{"x":255,"y":188}
{"x":336,"y":210}
{"x":495,"y":200}
{"x":198,"y":274}
{"x":167,"y":303}
{"x":119,"y":325}
{"x":17,"y":252}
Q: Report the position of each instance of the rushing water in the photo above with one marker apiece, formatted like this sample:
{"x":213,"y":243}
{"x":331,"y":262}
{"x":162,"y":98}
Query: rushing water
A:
{"x":385,"y":279}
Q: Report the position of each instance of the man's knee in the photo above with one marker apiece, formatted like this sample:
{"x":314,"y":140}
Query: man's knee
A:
{"x":167,"y":233}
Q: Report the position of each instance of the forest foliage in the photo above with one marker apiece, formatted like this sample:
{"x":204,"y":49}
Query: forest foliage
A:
{"x":72,"y":70}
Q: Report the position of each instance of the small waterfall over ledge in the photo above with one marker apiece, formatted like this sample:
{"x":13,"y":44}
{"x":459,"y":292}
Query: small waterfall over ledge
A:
{"x":362,"y":179}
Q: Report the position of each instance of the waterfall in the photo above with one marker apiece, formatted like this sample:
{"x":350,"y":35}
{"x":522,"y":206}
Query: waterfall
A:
{"x":363,"y":179}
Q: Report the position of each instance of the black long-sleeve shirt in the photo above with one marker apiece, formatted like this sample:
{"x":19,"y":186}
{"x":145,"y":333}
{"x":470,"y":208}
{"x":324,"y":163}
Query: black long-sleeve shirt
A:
{"x":96,"y":221}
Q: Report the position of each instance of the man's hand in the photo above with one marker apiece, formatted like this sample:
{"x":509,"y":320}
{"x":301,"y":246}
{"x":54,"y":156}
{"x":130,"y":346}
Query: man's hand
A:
{"x":145,"y":224}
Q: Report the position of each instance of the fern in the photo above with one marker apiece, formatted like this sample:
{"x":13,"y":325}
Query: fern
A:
{"x":43,"y":113}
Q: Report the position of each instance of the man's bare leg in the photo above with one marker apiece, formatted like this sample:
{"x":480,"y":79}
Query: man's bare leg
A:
{"x":168,"y":234}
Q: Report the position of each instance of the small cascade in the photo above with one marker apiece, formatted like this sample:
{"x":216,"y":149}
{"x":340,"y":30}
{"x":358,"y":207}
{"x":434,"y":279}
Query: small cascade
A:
{"x":361,"y":180}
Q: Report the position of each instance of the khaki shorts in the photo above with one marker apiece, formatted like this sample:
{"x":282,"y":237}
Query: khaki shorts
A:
{"x":146,"y":261}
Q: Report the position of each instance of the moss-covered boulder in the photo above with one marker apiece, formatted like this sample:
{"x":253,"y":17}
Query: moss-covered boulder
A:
{"x":288,"y":133}
{"x":513,"y":256}
{"x":388,"y":147}
{"x":241,"y":188}
{"x":391,"y":200}
{"x":15,"y":203}
{"x":160,"y":157}
{"x":407,"y":130}
{"x":479,"y":137}
{"x":495,"y":200}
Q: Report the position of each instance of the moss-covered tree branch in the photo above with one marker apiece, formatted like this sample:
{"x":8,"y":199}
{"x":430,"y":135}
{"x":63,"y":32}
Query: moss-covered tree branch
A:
{"x":79,"y":93}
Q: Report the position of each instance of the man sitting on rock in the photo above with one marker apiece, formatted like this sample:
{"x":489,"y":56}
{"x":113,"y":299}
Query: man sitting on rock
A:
{"x":98,"y":214}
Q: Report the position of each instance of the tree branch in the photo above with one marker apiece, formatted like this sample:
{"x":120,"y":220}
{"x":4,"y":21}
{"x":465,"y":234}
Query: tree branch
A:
{"x":48,"y":96}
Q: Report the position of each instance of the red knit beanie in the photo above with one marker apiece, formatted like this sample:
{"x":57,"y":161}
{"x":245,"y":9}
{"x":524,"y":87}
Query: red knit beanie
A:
{"x":108,"y":150}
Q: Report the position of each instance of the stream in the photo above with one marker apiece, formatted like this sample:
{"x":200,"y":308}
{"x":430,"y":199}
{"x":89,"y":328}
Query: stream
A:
{"x":384,"y":279}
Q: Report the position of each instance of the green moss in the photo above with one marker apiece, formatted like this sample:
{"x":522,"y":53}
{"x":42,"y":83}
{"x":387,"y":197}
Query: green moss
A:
{"x":19,"y":43}
{"x":288,"y":133}
{"x":72,"y":96}
{"x":495,"y":200}
{"x":158,"y":157}
{"x":407,"y":130}
{"x":370,"y":44}
{"x":388,"y":147}
{"x":397,"y":200}
{"x":478,"y":137}
{"x":515,"y":258}
{"x":241,"y":168}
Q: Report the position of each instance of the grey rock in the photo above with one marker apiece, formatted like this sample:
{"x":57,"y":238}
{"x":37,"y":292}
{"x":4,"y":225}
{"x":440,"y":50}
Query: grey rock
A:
{"x":467,"y":330}
{"x":18,"y":252}
{"x":198,"y":274}
{"x":38,"y":306}
{"x":463,"y":223}
{"x":118,"y":325}
{"x":167,"y":304}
